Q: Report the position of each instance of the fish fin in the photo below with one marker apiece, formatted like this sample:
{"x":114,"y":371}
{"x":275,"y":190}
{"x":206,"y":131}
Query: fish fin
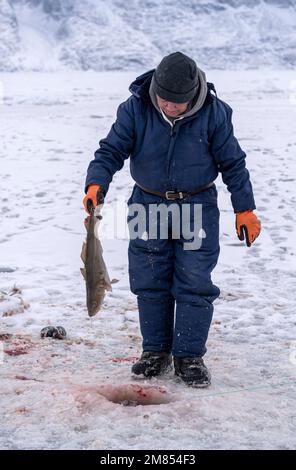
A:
{"x":107,"y":282}
{"x":83,"y":252}
{"x":108,"y":286}
{"x":83,"y":272}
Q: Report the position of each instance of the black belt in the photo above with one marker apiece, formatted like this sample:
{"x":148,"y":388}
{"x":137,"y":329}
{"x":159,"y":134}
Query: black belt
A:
{"x":172,"y":195}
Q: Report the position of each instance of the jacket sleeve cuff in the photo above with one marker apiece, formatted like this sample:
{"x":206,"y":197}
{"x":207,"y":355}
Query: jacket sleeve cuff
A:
{"x":241,"y":204}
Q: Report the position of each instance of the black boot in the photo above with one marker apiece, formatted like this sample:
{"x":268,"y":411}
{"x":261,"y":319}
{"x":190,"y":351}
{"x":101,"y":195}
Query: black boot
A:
{"x":192,"y":371}
{"x":152,"y":364}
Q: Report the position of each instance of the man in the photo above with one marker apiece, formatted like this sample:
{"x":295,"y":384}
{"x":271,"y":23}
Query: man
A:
{"x":178,"y":136}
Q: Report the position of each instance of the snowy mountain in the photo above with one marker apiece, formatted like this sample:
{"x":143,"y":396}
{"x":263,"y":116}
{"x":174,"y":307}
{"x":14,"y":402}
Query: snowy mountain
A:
{"x":119,"y":35}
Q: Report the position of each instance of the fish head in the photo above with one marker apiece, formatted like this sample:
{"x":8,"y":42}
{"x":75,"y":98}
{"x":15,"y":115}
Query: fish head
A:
{"x":94,"y":305}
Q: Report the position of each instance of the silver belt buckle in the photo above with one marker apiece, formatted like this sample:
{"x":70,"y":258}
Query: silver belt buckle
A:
{"x":167,"y":195}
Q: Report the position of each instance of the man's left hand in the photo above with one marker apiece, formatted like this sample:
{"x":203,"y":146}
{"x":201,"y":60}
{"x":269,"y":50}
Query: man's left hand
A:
{"x":248,"y":226}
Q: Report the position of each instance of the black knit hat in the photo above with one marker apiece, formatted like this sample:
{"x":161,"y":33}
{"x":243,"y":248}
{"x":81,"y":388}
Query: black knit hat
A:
{"x":176,"y":78}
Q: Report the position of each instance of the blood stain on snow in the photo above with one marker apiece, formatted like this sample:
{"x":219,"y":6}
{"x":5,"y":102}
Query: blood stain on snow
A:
{"x":18,"y":345}
{"x":125,"y":359}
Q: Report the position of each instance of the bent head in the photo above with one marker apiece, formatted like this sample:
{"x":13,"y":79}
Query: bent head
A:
{"x":175,"y":83}
{"x":170,"y":108}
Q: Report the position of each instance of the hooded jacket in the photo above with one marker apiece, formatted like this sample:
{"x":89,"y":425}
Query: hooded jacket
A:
{"x":179,"y":157}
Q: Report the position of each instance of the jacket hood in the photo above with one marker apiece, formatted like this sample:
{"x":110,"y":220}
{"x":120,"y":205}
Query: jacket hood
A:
{"x":140,"y":86}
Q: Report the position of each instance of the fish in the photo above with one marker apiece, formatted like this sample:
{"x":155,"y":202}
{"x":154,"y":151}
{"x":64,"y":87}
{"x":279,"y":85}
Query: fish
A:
{"x":94,"y":271}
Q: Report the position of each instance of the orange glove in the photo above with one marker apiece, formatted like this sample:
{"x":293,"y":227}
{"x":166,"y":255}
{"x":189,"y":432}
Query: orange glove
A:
{"x":94,"y":196}
{"x":247,"y":226}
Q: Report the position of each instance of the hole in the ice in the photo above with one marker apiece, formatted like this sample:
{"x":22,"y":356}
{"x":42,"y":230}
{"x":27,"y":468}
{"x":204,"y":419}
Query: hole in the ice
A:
{"x":134,"y":395}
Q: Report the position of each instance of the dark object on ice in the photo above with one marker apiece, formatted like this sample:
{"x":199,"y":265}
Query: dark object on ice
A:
{"x":192,"y":371}
{"x":152,"y":364}
{"x":47,"y":331}
{"x":57,"y":332}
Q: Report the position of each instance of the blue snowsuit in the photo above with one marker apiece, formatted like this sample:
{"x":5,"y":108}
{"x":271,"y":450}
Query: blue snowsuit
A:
{"x":168,"y":280}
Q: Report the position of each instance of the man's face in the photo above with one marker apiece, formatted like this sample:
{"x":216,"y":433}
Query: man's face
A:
{"x":172,"y":109}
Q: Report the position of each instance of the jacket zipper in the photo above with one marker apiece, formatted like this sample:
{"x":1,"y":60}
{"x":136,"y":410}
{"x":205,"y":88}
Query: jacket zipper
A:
{"x":170,"y":156}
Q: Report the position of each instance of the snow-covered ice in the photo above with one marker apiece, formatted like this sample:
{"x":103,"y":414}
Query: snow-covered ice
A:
{"x":53,"y":393}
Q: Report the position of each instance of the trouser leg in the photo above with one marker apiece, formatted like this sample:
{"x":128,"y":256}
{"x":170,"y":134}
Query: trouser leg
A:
{"x":151,"y":264}
{"x":193,"y":288}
